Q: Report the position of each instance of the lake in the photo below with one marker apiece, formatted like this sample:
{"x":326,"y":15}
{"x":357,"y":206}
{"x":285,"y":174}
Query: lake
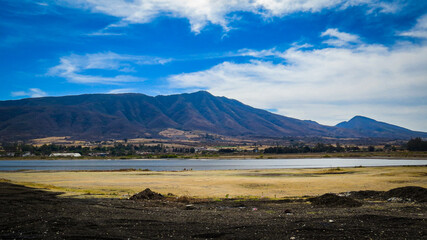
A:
{"x":199,"y":164}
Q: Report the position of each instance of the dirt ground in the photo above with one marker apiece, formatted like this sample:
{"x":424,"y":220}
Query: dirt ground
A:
{"x":28,"y":213}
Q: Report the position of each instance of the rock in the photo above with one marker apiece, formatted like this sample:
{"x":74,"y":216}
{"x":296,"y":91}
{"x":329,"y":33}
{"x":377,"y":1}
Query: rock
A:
{"x":189,"y":207}
{"x":395,"y":199}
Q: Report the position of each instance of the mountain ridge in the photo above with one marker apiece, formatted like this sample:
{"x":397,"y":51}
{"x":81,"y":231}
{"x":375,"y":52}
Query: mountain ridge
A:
{"x":132,"y":115}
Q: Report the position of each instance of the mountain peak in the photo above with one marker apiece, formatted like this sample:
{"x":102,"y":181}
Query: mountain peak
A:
{"x":202,"y":93}
{"x":363,"y":118}
{"x":358,"y":122}
{"x":372,"y":128}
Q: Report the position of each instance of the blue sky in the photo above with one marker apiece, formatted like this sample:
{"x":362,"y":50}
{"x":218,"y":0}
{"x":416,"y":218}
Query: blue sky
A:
{"x":323,"y":60}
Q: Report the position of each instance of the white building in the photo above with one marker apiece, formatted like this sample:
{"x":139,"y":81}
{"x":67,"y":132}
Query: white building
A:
{"x":65,"y":155}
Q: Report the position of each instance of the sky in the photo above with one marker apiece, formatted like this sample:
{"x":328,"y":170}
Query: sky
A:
{"x":320,"y":60}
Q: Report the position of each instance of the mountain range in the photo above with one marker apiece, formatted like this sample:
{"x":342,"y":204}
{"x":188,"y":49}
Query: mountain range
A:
{"x":119,"y":116}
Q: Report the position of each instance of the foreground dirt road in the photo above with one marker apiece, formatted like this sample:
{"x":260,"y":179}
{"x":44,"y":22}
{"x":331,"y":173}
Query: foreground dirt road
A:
{"x":28,"y":213}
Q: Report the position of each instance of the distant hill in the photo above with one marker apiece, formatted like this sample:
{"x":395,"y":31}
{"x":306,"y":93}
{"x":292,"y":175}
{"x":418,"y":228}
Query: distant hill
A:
{"x":119,"y":116}
{"x":374,"y":129}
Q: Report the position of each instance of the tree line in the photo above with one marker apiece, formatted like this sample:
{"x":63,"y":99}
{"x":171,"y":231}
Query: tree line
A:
{"x":416,"y":144}
{"x":319,"y":147}
{"x":117,"y":149}
{"x":120,"y":149}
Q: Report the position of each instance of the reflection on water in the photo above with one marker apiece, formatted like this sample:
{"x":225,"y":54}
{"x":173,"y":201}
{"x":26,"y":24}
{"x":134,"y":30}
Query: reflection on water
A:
{"x":199,"y":164}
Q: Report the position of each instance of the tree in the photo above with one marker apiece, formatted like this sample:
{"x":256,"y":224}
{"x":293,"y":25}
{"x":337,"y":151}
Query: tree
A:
{"x":416,"y":144}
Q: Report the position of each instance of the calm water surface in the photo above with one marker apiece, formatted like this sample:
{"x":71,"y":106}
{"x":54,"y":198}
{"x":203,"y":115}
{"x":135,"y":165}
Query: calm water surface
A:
{"x":199,"y":164}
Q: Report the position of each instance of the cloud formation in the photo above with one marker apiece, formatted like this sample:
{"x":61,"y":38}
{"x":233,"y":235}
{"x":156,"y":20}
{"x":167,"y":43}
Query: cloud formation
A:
{"x":338,"y":38}
{"x":419,"y":30}
{"x":32,"y":92}
{"x":73,"y":67}
{"x":203,"y":12}
{"x":323,"y":84}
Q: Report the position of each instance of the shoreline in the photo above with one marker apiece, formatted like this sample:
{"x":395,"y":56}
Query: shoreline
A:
{"x":356,"y":155}
{"x":205,"y":170}
{"x":185,"y":165}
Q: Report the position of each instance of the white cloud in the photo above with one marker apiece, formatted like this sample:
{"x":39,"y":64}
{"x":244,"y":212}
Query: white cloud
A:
{"x":338,"y":38}
{"x":32,"y":92}
{"x":42,"y":4}
{"x":104,"y":33}
{"x":203,"y":12}
{"x":72,"y":67}
{"x":328,"y":85}
{"x":258,"y":54}
{"x":121,"y":90}
{"x":419,"y":30}
{"x":381,"y":5}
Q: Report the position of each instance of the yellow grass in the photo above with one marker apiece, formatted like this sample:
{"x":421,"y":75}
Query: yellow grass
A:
{"x":65,"y":140}
{"x":173,"y":133}
{"x":275,"y":183}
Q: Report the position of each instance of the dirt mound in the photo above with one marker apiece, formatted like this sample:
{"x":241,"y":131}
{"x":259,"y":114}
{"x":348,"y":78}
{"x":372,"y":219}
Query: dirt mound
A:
{"x":332,"y":200}
{"x":413,"y":193}
{"x":147,"y":194}
{"x":368,"y":194}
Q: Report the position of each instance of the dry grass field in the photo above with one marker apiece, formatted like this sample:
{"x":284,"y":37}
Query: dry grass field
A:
{"x":277,"y":183}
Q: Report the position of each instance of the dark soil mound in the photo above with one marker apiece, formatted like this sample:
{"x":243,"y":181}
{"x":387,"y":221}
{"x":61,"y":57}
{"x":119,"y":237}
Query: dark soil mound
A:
{"x":332,"y":200}
{"x":369,"y":194}
{"x":147,"y":194}
{"x":418,"y":194}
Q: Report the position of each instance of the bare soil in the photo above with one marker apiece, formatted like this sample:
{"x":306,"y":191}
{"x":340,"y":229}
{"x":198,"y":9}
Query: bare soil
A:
{"x":28,"y":213}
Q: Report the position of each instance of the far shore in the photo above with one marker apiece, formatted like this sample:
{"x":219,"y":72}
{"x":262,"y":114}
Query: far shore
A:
{"x":367,"y":155}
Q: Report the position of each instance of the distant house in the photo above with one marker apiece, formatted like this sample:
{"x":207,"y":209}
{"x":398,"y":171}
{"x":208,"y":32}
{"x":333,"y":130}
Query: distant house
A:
{"x":27,"y":154}
{"x":144,"y":153}
{"x":65,"y":155}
